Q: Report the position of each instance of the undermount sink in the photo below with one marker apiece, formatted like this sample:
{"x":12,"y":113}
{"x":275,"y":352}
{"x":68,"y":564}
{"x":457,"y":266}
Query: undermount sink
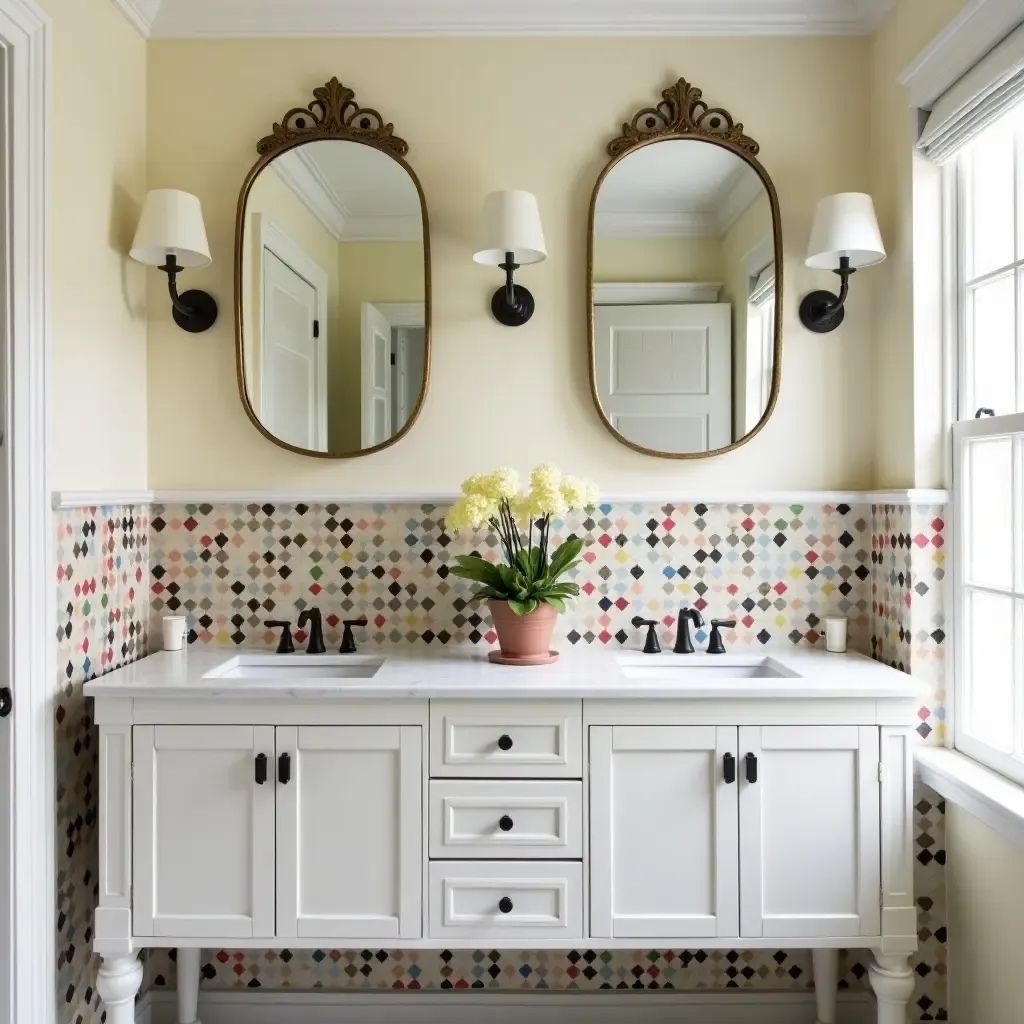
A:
{"x":297,"y":669}
{"x":682,"y":668}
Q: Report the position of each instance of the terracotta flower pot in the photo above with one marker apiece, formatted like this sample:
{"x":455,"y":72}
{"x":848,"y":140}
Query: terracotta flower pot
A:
{"x":524,"y":639}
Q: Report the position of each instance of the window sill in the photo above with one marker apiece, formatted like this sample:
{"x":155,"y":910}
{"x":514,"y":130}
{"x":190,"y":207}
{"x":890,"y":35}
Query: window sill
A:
{"x":986,"y":794}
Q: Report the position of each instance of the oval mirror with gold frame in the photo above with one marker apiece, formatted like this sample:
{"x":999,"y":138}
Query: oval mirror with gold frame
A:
{"x":332,"y":282}
{"x":684,"y":282}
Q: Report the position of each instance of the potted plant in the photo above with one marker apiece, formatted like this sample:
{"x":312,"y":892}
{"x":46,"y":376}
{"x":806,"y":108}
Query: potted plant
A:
{"x":526,"y":591}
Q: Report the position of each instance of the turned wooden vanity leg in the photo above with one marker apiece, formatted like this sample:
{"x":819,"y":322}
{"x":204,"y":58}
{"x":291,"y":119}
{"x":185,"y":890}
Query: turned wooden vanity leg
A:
{"x":893,"y":982}
{"x":189,"y":962}
{"x":826,"y":983}
{"x":118,"y":982}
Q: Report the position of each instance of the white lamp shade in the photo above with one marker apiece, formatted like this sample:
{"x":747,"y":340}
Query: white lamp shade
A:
{"x":171,"y":224}
{"x":845,"y":225}
{"x":511,"y":224}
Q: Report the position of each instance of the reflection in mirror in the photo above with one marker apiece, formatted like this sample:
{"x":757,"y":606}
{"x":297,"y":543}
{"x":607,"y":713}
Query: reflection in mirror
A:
{"x":684,"y":296}
{"x":333,"y":303}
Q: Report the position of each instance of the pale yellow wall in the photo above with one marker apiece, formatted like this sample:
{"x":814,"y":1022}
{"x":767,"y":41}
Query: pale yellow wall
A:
{"x":501,"y":395}
{"x":272,"y":198}
{"x":985,"y":891}
{"x":905,"y":290}
{"x":670,"y":258}
{"x":369,"y":272}
{"x":97,"y":294}
{"x":753,"y":225}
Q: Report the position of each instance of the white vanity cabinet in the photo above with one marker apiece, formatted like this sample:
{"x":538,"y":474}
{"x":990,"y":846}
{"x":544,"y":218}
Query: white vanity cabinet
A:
{"x":749,"y":832}
{"x":563,"y":808}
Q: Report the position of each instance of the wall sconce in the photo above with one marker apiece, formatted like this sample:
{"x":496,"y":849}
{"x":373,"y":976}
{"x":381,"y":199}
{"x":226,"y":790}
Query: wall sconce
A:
{"x":513,"y":236}
{"x":844,"y":236}
{"x":172,"y":236}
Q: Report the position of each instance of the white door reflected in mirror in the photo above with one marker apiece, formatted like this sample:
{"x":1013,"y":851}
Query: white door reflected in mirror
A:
{"x":333,"y":297}
{"x":674,"y":221}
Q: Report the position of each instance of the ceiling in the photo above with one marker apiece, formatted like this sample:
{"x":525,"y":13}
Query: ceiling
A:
{"x":676,"y":187}
{"x":186,"y":18}
{"x":355,"y":191}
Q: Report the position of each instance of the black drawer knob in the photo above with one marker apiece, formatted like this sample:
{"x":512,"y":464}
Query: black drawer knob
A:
{"x":505,"y":823}
{"x":505,"y":742}
{"x":505,"y":905}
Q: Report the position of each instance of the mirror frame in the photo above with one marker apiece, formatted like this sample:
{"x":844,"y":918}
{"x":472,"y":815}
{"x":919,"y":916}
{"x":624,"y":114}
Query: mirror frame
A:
{"x":332,"y":114}
{"x":682,"y":114}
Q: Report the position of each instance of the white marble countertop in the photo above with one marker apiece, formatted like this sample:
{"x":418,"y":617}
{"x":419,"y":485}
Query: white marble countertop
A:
{"x":404,"y":673}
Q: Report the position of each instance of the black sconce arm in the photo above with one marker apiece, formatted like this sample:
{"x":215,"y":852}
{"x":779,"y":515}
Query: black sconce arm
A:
{"x":512,"y":305}
{"x":821,"y":311}
{"x":195,"y":311}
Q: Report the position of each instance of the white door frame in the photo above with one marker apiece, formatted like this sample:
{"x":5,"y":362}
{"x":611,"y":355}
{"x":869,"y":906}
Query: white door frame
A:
{"x":25,"y":38}
{"x":270,"y":236}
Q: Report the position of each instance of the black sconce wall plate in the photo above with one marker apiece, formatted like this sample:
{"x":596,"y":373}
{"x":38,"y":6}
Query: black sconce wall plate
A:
{"x":195,"y":311}
{"x":515,"y":313}
{"x":821,"y":311}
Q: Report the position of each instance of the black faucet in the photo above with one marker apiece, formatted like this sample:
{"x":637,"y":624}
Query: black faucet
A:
{"x":715,"y":645}
{"x":651,"y":644}
{"x":684,"y":645}
{"x":285,"y":645}
{"x":316,"y":629}
{"x":348,"y":641}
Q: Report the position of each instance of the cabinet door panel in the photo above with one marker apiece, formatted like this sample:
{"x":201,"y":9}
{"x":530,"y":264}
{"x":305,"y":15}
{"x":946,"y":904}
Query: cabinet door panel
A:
{"x":663,"y":826}
{"x":350,"y":832}
{"x":204,"y":832}
{"x":810,"y":860}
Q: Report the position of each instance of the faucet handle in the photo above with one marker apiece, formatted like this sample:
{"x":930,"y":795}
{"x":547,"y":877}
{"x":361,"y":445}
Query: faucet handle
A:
{"x":715,"y":645}
{"x":285,"y":645}
{"x":348,"y":641}
{"x":651,"y":644}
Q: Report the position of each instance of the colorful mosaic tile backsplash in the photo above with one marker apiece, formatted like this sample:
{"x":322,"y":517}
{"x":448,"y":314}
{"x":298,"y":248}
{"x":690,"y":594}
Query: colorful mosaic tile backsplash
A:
{"x":778,"y":569}
{"x":102,"y":578}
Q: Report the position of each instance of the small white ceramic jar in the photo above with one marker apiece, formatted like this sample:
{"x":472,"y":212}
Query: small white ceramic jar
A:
{"x":175,"y":627}
{"x":835,"y":634}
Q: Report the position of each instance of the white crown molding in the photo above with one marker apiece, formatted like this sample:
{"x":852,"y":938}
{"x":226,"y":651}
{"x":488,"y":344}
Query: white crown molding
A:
{"x":741,"y":196}
{"x":196,"y":18}
{"x":981,"y":25}
{"x":105,"y":499}
{"x":303,"y":177}
{"x":726,"y":1007}
{"x":141,"y":13}
{"x":655,"y":223}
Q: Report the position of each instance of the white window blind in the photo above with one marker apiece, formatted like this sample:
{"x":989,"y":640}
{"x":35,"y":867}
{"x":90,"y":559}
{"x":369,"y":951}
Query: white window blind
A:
{"x":980,"y":97}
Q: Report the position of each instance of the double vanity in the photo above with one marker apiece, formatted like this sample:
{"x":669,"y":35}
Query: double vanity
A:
{"x":252,"y":799}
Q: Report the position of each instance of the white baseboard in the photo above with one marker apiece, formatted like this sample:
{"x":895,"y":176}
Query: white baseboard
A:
{"x":723,"y":1007}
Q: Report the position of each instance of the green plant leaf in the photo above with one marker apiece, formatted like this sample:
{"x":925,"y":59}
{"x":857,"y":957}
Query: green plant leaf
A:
{"x":565,"y":557}
{"x":477,"y":569}
{"x":523,"y":607}
{"x":556,"y":602}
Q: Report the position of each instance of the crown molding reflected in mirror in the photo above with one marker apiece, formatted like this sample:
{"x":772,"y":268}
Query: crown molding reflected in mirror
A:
{"x":332,"y":282}
{"x":684,"y":282}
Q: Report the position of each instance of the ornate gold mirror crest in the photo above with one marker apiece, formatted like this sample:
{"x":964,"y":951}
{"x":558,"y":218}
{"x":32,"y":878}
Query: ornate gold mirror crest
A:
{"x":332,"y":281}
{"x":684,"y":282}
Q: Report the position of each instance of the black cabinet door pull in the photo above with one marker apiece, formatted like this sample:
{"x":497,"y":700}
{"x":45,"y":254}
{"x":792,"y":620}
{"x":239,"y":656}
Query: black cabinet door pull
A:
{"x":505,"y":823}
{"x":751,"y":760}
{"x":6,"y":701}
{"x":505,"y":742}
{"x":284,"y":769}
{"x":729,"y":768}
{"x":261,"y":769}
{"x":505,"y":905}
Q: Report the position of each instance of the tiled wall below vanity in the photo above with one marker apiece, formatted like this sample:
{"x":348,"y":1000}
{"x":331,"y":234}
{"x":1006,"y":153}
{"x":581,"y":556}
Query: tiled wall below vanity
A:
{"x":102,"y":579}
{"x":779,"y":569}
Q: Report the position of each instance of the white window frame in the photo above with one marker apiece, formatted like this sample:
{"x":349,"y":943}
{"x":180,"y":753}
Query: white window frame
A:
{"x":966,"y":429}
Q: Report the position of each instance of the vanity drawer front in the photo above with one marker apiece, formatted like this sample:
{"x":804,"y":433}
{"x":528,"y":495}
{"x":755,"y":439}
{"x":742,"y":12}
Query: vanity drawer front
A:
{"x":507,"y":739}
{"x":516,"y":900}
{"x":497,"y":818}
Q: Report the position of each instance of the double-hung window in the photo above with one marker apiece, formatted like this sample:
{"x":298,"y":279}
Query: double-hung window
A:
{"x":988,"y":447}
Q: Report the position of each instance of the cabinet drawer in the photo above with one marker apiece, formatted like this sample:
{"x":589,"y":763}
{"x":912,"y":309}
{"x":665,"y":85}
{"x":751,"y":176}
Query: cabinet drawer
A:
{"x":498,"y":818}
{"x":517,"y":900}
{"x":507,"y":739}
